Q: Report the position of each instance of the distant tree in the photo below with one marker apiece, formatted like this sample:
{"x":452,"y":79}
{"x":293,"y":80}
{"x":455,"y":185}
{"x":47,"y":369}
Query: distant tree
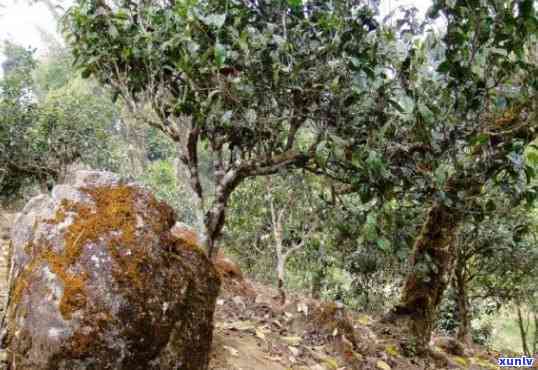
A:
{"x":496,"y":255}
{"x":18,"y":112}
{"x":49,"y":122}
{"x":293,"y":221}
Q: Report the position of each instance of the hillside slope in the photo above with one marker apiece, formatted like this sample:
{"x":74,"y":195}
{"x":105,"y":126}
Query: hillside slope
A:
{"x":255,"y":333}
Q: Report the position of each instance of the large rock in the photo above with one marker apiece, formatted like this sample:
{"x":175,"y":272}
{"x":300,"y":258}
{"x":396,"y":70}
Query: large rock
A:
{"x":229,"y":271}
{"x":99,"y":282}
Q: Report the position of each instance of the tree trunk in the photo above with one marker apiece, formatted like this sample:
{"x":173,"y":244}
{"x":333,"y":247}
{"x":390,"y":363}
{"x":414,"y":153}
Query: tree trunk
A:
{"x":213,"y":224}
{"x":136,"y":143}
{"x":522,"y":330}
{"x":281,"y":291}
{"x":196,"y":202}
{"x":463,"y":334}
{"x":281,"y":272}
{"x":317,"y":283}
{"x":278,"y":230}
{"x":431,"y":261}
{"x":319,"y":275}
{"x":535,"y":343}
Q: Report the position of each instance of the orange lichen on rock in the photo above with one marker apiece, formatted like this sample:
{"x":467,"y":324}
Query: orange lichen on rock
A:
{"x":73,"y":297}
{"x":227,"y":268}
{"x":114,"y":212}
{"x":102,"y":257}
{"x":113,"y":218}
{"x":22,"y":282}
{"x":186,"y":234}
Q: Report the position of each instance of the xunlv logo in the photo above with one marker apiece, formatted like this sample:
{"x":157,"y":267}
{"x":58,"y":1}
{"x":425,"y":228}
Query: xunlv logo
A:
{"x":516,"y":361}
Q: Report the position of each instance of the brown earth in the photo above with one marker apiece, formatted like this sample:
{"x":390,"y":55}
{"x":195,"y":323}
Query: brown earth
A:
{"x":257,"y":334}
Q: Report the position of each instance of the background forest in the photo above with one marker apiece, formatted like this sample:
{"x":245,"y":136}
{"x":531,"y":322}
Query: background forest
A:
{"x":385,"y":163}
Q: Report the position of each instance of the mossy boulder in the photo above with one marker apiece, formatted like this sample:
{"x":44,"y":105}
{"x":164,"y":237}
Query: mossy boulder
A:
{"x":99,"y":282}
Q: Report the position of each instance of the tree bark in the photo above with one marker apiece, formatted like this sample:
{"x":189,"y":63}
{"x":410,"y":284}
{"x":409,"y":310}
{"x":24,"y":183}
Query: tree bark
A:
{"x":522,"y":330}
{"x":278,"y":230}
{"x":535,"y":342}
{"x":281,"y":291}
{"x":319,"y":275}
{"x":215,"y":216}
{"x":432,"y":260}
{"x":460,"y":285}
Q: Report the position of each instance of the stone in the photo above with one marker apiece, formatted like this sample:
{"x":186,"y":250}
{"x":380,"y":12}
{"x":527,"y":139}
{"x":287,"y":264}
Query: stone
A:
{"x":232,"y":278}
{"x":449,"y":345}
{"x":98,"y":281}
{"x":227,"y":268}
{"x":186,"y":233}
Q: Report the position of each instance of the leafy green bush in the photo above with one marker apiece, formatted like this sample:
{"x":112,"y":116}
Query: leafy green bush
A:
{"x":160,"y":176}
{"x":482,"y":334}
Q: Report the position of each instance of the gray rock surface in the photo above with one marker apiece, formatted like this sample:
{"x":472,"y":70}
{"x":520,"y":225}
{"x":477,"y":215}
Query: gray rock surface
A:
{"x":97,"y":281}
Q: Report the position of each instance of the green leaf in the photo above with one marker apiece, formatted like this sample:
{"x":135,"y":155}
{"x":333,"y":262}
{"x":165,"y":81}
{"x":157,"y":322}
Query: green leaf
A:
{"x":443,"y":67}
{"x":86,"y":73}
{"x":481,"y":139}
{"x":383,"y":244}
{"x":490,"y":205}
{"x":396,"y":105}
{"x":532,"y":158}
{"x":220,"y":54}
{"x":425,"y":112}
{"x":113,"y":31}
{"x":295,"y":3}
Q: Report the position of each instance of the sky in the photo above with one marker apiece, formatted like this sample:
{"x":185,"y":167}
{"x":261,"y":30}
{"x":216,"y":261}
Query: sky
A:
{"x":21,"y":22}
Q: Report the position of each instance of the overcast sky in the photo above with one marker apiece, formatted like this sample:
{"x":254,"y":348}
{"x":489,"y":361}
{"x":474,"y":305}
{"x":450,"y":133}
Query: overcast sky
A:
{"x":21,"y":22}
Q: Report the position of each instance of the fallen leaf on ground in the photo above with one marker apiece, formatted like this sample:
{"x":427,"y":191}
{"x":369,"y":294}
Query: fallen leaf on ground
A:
{"x":382,"y":365}
{"x":232,"y":351}
{"x":294,"y":341}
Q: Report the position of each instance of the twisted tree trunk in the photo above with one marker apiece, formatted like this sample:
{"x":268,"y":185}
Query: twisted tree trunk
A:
{"x":432,"y":260}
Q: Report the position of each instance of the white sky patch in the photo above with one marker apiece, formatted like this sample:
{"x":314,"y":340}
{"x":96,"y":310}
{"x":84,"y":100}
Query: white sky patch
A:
{"x":20,"y":22}
{"x":387,"y":6}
